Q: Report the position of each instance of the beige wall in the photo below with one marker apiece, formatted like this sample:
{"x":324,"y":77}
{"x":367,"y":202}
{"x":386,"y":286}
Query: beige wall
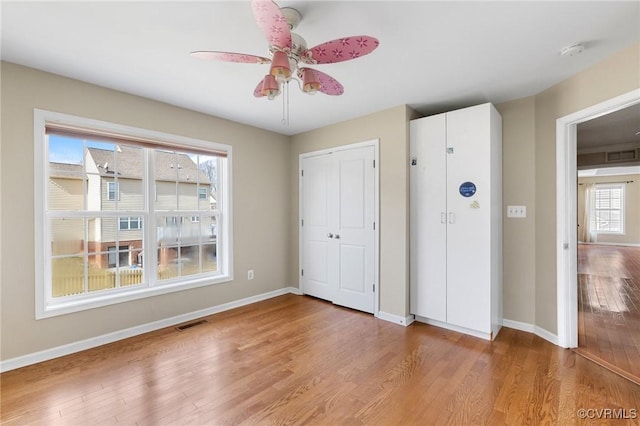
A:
{"x":518,"y":183}
{"x":261,"y":208}
{"x":265,"y":180}
{"x":392,"y":129}
{"x":612,"y":77}
{"x":631,"y":211}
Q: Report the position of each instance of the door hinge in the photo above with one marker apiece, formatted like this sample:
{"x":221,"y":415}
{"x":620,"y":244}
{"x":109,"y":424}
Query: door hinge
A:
{"x":302,"y":272}
{"x":302,"y":222}
{"x":374,"y":288}
{"x":374,"y":164}
{"x":374,"y":226}
{"x":302,"y":173}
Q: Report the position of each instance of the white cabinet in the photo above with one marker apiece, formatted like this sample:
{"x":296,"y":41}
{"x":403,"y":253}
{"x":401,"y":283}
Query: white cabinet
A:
{"x":456,"y":220}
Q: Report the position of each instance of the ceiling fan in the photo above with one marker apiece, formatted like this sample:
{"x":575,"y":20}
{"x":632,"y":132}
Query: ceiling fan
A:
{"x":288,"y":50}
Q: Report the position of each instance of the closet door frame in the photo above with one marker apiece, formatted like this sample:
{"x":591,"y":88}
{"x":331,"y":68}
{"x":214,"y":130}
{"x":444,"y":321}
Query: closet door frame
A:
{"x":375,"y":143}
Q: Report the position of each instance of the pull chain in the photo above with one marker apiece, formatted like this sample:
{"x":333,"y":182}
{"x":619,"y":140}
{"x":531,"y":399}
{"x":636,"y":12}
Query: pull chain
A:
{"x":285,"y":104}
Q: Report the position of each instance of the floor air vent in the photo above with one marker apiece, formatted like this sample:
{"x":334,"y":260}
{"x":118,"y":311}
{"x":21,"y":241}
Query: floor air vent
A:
{"x":191,"y":324}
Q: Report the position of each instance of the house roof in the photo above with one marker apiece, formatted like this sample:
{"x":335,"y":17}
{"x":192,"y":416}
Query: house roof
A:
{"x":65,"y":170}
{"x":127,"y":162}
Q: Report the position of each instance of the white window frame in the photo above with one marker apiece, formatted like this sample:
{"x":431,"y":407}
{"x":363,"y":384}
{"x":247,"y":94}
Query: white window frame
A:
{"x":128,"y":222}
{"x":45,"y":305}
{"x":609,"y":186}
{"x":200,"y":190}
{"x":115,"y":191}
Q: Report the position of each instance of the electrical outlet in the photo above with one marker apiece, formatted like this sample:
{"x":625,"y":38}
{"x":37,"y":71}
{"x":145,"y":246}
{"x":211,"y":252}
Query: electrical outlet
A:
{"x":517,"y":211}
{"x":250,"y":274}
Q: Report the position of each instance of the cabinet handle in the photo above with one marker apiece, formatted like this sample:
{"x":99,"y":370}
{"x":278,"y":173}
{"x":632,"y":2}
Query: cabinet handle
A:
{"x":337,"y":237}
{"x":452,"y":218}
{"x":443,"y":217}
{"x":330,"y":235}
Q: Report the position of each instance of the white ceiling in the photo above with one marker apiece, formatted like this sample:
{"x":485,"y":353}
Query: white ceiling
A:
{"x":433,"y":56}
{"x":620,"y":128}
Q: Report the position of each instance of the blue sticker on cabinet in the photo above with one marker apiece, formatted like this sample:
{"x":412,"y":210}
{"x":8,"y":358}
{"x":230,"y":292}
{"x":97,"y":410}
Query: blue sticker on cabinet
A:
{"x":467,"y":189}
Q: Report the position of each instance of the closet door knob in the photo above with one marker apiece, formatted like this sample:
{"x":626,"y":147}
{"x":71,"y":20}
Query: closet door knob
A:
{"x":337,"y":236}
{"x":330,"y":235}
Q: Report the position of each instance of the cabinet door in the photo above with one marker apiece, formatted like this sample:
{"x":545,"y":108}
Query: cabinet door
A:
{"x":428,"y":199}
{"x":469,"y":217}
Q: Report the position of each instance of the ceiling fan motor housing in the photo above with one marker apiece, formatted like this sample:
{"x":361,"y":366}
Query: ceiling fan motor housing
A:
{"x":298,"y":47}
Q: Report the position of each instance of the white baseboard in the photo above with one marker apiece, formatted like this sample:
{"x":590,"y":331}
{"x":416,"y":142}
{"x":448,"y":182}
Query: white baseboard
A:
{"x":463,"y":330}
{"x":47,"y":354}
{"x":546,"y":335}
{"x":611,"y":244}
{"x":396,"y":319}
{"x":295,"y":290}
{"x":530,"y":328}
{"x":517,"y":325}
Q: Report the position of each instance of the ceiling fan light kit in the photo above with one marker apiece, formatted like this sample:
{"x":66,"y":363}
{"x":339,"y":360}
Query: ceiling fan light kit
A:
{"x":288,"y":50}
{"x":280,"y":67}
{"x":270,"y":87}
{"x":310,"y":81}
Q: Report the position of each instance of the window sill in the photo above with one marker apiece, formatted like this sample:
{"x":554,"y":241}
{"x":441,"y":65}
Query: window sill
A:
{"x":101,"y":299}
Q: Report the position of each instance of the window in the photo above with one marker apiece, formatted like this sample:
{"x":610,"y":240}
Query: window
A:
{"x":112,"y":191}
{"x":130,"y":223}
{"x":202,"y":193}
{"x":119,"y":256}
{"x":609,"y":208}
{"x":118,"y":220}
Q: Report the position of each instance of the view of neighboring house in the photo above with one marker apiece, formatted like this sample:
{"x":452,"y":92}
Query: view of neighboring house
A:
{"x":113,"y":181}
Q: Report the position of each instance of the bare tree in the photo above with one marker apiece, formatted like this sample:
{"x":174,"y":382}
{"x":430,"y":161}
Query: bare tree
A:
{"x":210,"y":169}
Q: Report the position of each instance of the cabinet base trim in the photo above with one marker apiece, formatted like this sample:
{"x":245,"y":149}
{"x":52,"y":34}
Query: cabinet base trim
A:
{"x":474,"y":333}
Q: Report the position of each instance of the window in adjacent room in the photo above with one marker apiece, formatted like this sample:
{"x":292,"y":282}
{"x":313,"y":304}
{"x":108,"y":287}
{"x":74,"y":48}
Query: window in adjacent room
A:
{"x":609,"y":208}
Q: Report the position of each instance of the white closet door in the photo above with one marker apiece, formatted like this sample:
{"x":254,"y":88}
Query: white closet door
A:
{"x":338,"y":239}
{"x":354,"y":233}
{"x":317,"y":189}
{"x":469,"y":230}
{"x":428,"y":218}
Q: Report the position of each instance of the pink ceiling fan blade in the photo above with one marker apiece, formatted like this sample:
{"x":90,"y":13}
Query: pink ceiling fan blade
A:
{"x":328,"y":85}
{"x":343,"y":49}
{"x":230,"y":57}
{"x":272,"y":23}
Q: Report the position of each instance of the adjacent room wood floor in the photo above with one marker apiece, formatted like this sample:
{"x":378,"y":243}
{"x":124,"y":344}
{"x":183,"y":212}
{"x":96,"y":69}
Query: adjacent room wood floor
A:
{"x":295,"y":359}
{"x":609,"y":307}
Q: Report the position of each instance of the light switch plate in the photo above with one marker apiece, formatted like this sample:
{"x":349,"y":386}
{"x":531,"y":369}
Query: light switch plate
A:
{"x":517,"y":211}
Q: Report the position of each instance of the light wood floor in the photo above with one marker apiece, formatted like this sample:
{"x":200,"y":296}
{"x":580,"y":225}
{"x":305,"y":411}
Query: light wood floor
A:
{"x":609,"y":307}
{"x":295,"y":359}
